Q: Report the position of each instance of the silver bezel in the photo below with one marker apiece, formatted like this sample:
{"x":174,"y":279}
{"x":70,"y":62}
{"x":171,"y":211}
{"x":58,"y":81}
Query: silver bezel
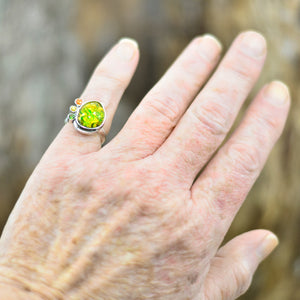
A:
{"x":87,"y":130}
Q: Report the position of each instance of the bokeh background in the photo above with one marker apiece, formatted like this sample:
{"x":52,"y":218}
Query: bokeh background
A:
{"x":48,"y":50}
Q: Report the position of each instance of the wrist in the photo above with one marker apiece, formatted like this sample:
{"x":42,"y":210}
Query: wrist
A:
{"x":14,"y":286}
{"x":14,"y":292}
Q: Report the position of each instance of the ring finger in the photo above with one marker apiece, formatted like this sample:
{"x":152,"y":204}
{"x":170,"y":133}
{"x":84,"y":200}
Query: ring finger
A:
{"x":158,"y":113}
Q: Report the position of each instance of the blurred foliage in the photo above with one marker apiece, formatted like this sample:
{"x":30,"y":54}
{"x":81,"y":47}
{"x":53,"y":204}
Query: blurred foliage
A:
{"x":49,"y":48}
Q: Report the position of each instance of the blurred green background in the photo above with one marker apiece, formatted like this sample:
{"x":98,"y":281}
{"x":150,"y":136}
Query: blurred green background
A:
{"x":48,"y":50}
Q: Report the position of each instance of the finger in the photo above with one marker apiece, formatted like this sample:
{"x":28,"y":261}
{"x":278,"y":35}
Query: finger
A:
{"x":206,"y":123}
{"x":226,"y":181}
{"x":107,"y":85}
{"x":232,"y":268}
{"x":160,"y":110}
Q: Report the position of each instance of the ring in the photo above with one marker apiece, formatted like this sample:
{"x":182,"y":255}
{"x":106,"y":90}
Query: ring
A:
{"x":88,"y":117}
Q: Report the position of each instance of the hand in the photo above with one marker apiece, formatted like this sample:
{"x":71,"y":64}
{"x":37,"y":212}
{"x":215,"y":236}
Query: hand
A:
{"x":132,"y":220}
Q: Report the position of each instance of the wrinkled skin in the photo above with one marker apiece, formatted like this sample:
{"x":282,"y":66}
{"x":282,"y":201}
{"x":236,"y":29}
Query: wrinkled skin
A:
{"x":132,"y":220}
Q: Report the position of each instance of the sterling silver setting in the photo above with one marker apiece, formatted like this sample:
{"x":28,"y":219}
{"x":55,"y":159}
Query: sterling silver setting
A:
{"x":74,"y":112}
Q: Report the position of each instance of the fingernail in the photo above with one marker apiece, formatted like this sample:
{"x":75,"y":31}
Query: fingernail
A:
{"x":277,"y":92}
{"x":209,"y":47}
{"x":127,"y":48}
{"x":268,"y":244}
{"x":253,"y":44}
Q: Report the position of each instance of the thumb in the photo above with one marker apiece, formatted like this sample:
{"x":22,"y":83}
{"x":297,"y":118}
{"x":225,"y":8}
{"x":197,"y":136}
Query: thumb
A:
{"x":232,"y":268}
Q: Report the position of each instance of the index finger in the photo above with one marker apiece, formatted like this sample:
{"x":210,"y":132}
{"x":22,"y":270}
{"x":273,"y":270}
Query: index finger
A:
{"x":107,"y":85}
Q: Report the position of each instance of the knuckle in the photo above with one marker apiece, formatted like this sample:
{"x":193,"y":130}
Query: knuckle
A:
{"x":109,"y":80}
{"x":242,"y":278}
{"x":247,"y":158}
{"x":197,"y":65}
{"x":271,"y":123}
{"x":164,"y":106}
{"x":241,"y":71}
{"x":213,"y":117}
{"x":190,"y":158}
{"x":242,"y":66}
{"x":265,"y":130}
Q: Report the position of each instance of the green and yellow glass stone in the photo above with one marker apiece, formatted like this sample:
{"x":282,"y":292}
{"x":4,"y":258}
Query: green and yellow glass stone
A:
{"x":91,"y":115}
{"x":86,"y":117}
